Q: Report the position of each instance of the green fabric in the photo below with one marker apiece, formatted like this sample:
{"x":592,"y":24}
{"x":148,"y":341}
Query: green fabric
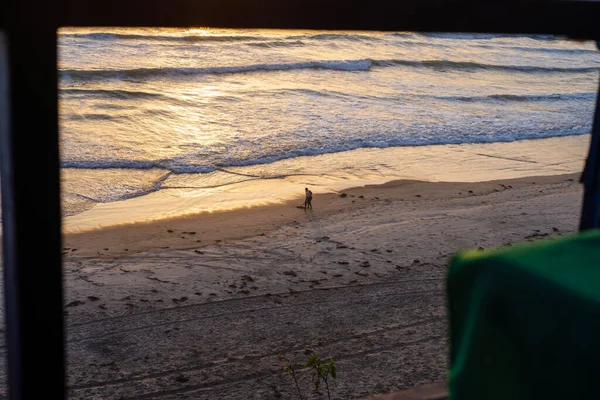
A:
{"x":525,"y":321}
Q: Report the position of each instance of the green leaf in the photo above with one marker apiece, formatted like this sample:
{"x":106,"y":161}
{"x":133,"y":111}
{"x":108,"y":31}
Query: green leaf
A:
{"x":333,"y":372}
{"x":313,"y":358}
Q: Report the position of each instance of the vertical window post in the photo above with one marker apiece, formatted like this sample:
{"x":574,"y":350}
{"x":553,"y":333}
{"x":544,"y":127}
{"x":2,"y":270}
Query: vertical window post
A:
{"x":29,"y":168}
{"x":590,"y":210}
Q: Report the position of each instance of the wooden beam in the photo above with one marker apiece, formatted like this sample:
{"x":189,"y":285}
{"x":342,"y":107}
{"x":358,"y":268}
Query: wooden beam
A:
{"x":573,"y":18}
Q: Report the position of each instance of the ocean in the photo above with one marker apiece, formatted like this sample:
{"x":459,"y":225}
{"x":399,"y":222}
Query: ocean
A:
{"x":198,"y":112}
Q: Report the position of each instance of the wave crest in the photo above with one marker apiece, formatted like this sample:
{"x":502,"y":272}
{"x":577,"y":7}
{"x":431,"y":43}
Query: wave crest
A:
{"x":145,"y":73}
{"x":162,"y":38}
{"x":471,"y":66}
{"x":337,"y":65}
{"x":584,"y":96}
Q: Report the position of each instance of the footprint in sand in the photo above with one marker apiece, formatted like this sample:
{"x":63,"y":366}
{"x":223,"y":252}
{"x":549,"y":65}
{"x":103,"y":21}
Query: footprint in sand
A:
{"x":180,"y":300}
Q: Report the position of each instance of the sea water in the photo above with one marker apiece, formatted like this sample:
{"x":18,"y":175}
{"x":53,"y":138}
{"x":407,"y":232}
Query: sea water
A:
{"x":198,"y":112}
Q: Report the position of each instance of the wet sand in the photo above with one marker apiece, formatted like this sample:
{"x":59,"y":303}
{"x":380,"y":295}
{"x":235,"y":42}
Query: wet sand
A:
{"x":269,"y":185}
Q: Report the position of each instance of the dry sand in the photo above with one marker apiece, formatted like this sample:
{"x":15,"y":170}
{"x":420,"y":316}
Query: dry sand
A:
{"x":200,"y":307}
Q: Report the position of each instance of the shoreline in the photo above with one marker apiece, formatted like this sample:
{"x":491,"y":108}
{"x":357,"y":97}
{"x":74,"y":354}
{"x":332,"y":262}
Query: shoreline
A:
{"x":283,"y":181}
{"x":200,"y":229}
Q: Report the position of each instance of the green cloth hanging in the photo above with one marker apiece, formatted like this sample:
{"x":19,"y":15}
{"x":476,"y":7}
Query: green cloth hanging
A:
{"x":525,"y":321}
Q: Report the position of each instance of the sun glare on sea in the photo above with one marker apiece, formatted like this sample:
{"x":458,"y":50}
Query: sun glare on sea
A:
{"x":199,"y":31}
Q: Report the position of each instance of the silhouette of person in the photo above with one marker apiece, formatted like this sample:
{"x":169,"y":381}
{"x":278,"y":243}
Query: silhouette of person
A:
{"x":308,"y":201}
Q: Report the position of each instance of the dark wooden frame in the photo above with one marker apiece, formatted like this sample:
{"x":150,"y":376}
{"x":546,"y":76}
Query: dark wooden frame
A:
{"x":29,"y":138}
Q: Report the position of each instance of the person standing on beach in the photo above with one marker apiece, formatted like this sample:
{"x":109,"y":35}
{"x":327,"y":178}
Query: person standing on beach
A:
{"x":308,"y":201}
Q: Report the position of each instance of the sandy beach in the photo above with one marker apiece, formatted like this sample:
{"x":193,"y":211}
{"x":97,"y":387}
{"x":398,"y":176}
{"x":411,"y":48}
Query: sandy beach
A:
{"x":200,"y":307}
